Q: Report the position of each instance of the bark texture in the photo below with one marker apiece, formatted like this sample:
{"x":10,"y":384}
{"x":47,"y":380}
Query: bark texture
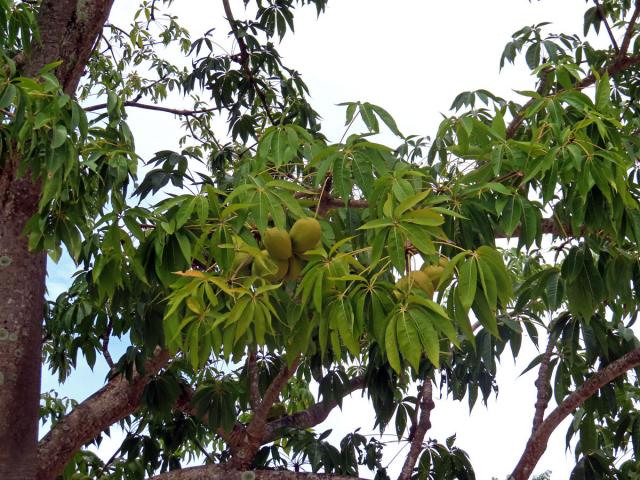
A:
{"x":22,"y":277}
{"x":68,"y":30}
{"x":116,"y":400}
{"x":217,"y":472}
{"x":424,"y":424}
{"x":537,"y":443}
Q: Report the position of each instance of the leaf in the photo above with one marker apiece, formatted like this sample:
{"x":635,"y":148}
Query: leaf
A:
{"x":396,"y":248}
{"x":408,"y":339}
{"x":8,"y":95}
{"x":467,"y":282}
{"x":424,"y":216}
{"x":387,"y":119}
{"x":391,"y":344}
{"x":59,"y":136}
{"x":510,"y":218}
{"x":341,"y":178}
{"x":428,"y":337}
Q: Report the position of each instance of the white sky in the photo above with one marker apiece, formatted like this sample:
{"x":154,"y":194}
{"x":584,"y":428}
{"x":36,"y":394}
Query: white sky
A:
{"x":411,"y":57}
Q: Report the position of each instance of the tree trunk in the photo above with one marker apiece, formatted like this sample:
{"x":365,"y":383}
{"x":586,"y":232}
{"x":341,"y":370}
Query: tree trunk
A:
{"x":68,"y":31}
{"x":22,"y":286}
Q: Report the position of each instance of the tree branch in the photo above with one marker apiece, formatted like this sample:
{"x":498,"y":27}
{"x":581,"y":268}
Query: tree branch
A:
{"x":252,"y":377}
{"x":542,"y":384}
{"x":219,"y":472}
{"x":245,"y":58}
{"x":603,"y":16}
{"x":426,"y":405}
{"x":626,"y":41}
{"x":257,"y":428}
{"x":537,"y":443}
{"x":314,"y":415}
{"x":157,"y":108}
{"x":113,"y":402}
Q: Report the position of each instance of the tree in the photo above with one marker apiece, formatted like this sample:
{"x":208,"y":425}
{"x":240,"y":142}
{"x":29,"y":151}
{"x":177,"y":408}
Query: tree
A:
{"x":244,"y":269}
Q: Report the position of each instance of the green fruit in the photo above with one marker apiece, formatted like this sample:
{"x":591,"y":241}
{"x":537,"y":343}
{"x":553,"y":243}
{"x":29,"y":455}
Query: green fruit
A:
{"x":263,"y":265}
{"x":418,"y":279}
{"x":241,"y":264}
{"x":435,"y":271}
{"x":269,"y":268}
{"x":283,"y":268}
{"x":305,"y":234}
{"x":278,"y":243}
{"x":295,"y":267}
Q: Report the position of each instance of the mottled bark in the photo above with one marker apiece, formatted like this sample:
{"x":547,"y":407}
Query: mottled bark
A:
{"x":68,"y":30}
{"x":537,"y":443}
{"x":115,"y":401}
{"x":218,"y":472}
{"x":424,"y":424}
{"x":542,"y":384}
{"x":314,"y":415}
{"x":22,"y":276}
{"x":244,"y":452}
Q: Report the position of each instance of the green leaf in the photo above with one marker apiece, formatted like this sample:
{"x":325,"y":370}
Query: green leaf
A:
{"x":391,"y":345}
{"x":8,"y":95}
{"x":467,"y":282}
{"x":59,"y":136}
{"x":424,"y":216}
{"x":408,"y":339}
{"x":485,"y":316}
{"x":396,"y":247}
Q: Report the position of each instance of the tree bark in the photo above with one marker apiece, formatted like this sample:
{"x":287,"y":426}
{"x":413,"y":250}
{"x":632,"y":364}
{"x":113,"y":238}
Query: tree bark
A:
{"x":22,"y":276}
{"x":116,"y":400}
{"x":537,"y":443}
{"x":68,"y":30}
{"x":218,"y":472}
{"x":424,"y":424}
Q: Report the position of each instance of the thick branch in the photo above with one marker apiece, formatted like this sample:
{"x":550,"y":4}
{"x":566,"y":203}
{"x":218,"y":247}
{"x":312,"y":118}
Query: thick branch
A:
{"x":252,"y":377}
{"x":424,"y":424}
{"x":116,"y":400}
{"x":314,"y":415}
{"x":542,"y":384}
{"x":219,"y":472}
{"x":68,"y":31}
{"x":626,"y":41}
{"x":537,"y":443}
{"x":257,"y":428}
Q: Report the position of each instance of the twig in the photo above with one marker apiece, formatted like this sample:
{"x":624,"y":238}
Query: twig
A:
{"x":537,"y":443}
{"x":245,"y":57}
{"x":426,"y":405}
{"x":158,"y":108}
{"x":603,"y":16}
{"x":105,"y":345}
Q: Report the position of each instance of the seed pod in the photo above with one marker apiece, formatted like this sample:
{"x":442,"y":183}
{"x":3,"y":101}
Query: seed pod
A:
{"x":278,"y":243}
{"x":305,"y":234}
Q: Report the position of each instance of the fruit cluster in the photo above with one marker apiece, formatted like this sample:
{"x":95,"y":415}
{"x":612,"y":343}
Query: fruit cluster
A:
{"x":427,"y":278}
{"x":282,"y":256}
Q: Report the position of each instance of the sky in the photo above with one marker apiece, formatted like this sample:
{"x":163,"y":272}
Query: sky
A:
{"x":411,"y":57}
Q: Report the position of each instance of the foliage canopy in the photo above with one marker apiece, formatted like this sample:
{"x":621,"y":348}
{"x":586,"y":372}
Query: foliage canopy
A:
{"x":227,"y":342}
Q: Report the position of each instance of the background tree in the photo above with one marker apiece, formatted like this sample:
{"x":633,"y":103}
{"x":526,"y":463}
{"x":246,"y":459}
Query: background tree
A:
{"x":273,"y":259}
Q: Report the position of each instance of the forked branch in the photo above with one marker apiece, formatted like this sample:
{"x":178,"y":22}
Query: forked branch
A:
{"x":537,"y":443}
